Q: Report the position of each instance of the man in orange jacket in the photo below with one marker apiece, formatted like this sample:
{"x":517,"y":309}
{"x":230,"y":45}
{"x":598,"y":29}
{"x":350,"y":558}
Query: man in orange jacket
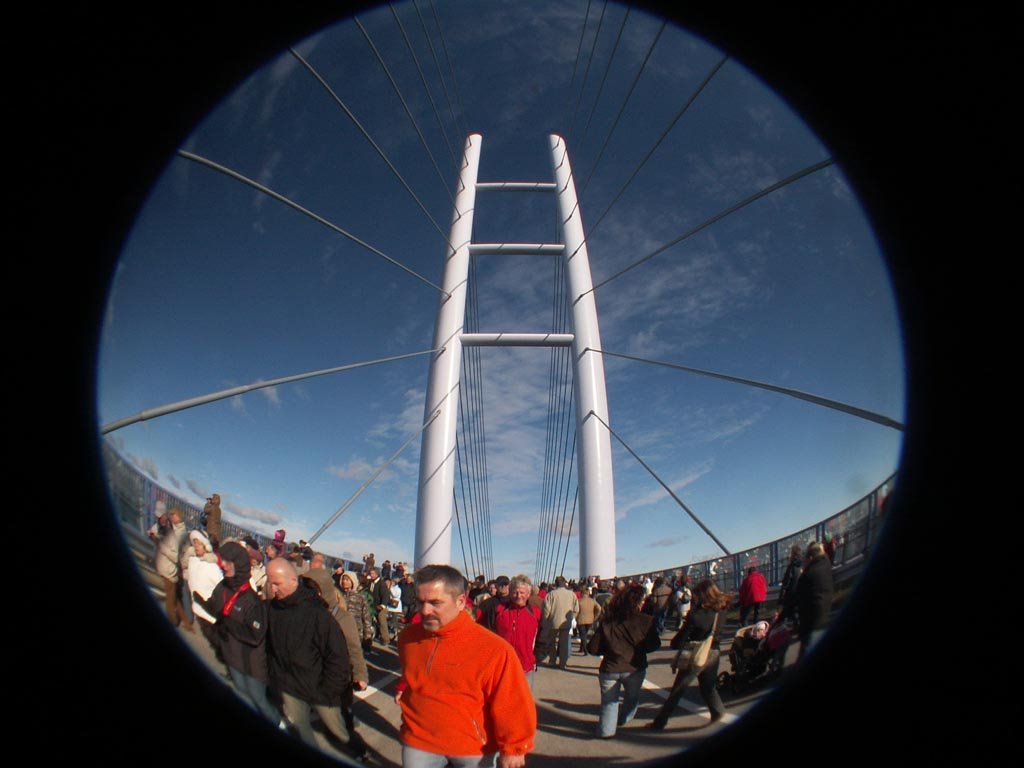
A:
{"x":465,"y":699}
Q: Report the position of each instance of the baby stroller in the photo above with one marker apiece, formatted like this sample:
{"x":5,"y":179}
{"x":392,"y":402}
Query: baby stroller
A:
{"x":757,"y":653}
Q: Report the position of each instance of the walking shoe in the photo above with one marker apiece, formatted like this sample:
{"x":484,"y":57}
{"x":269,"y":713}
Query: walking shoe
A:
{"x":657,"y":725}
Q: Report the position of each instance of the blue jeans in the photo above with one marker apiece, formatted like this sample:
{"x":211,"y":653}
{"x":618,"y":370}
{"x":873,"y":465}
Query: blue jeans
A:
{"x":417,"y":758}
{"x":631,"y":683}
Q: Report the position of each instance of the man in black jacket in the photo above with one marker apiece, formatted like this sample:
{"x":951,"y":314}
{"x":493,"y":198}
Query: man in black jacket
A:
{"x":307,"y":658}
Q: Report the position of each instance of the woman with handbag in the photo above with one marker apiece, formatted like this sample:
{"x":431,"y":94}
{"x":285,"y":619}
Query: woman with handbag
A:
{"x":697,"y":645}
{"x":623,"y":637}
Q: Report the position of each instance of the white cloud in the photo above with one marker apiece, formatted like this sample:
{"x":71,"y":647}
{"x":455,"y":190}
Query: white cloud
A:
{"x":658,"y":494}
{"x":271,"y":395}
{"x":252,"y":513}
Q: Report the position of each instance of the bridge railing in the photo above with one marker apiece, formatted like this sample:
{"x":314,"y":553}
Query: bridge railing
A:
{"x":854,"y":529}
{"x":134,"y":497}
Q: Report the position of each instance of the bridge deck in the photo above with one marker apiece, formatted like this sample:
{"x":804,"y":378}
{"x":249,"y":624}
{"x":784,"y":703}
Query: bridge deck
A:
{"x":567,"y":710}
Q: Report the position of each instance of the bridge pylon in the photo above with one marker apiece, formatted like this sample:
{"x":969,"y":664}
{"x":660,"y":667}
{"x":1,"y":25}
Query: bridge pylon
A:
{"x":435,"y":502}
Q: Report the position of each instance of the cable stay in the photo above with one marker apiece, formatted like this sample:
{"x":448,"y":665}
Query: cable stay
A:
{"x":663,"y":485}
{"x":426,"y":87}
{"x":317,"y":218}
{"x":458,"y":524}
{"x":604,"y":78}
{"x":661,"y":138}
{"x":716,"y":218}
{"x":586,"y":73}
{"x":572,"y":519}
{"x":622,"y":109}
{"x":853,"y":410}
{"x":377,"y":473}
{"x":437,"y":64}
{"x":405,"y":106}
{"x":576,"y":64}
{"x":461,"y":110}
{"x":462,"y":484}
{"x":373,"y":143}
{"x":181,"y":405}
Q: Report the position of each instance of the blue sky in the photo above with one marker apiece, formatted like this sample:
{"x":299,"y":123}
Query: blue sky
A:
{"x":220,"y":285}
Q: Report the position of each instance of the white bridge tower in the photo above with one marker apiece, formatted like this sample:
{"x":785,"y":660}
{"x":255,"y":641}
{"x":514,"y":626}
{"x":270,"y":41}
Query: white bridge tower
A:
{"x":434,"y":512}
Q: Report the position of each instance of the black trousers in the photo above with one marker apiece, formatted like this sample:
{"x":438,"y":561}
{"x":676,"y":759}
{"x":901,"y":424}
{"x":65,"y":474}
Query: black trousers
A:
{"x":707,"y":684}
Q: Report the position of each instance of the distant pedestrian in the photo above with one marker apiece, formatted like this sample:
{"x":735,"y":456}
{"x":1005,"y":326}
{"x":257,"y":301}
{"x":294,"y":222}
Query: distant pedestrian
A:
{"x":590,"y":611}
{"x":560,"y":609}
{"x":212,"y":517}
{"x":753,"y":593}
{"x":787,"y":589}
{"x":813,"y":597}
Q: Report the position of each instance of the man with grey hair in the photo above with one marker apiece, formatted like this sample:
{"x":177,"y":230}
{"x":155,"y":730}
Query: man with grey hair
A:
{"x":465,"y":700}
{"x":518,"y":623}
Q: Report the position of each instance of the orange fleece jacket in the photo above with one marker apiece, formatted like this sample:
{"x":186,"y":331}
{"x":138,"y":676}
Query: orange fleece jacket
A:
{"x":466,"y":692}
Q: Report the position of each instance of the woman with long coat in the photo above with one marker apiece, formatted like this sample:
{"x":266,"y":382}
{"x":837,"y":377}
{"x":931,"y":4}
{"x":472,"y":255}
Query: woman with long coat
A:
{"x":703,"y":620}
{"x":624,"y":637}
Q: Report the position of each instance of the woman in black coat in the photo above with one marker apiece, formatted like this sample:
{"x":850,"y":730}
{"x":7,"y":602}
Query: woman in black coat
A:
{"x":703,"y":620}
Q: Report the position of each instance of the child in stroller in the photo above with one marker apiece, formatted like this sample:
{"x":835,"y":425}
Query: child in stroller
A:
{"x":757,"y":651}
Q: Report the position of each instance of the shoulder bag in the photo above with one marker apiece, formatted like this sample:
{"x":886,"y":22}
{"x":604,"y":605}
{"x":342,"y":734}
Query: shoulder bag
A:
{"x":693,"y":655}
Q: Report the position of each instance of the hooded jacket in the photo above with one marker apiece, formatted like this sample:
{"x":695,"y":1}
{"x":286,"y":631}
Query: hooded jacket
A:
{"x":306,"y":653}
{"x":241,"y":620}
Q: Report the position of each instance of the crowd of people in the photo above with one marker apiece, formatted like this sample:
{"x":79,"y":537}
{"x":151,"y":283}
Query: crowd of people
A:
{"x":294,"y":634}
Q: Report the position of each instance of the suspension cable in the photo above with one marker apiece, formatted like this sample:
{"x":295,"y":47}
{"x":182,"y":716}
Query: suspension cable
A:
{"x":662,"y":484}
{"x":576,"y":63}
{"x":661,"y":138}
{"x":586,"y":72}
{"x":405,"y":106}
{"x":451,"y":67}
{"x":572,"y":519}
{"x":458,"y":523}
{"x":372,"y":477}
{"x":426,"y":87}
{"x":374,"y":144}
{"x":181,"y":405}
{"x":319,"y":219}
{"x":853,"y":410}
{"x":622,"y":109}
{"x":604,"y":78}
{"x":717,"y":217}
